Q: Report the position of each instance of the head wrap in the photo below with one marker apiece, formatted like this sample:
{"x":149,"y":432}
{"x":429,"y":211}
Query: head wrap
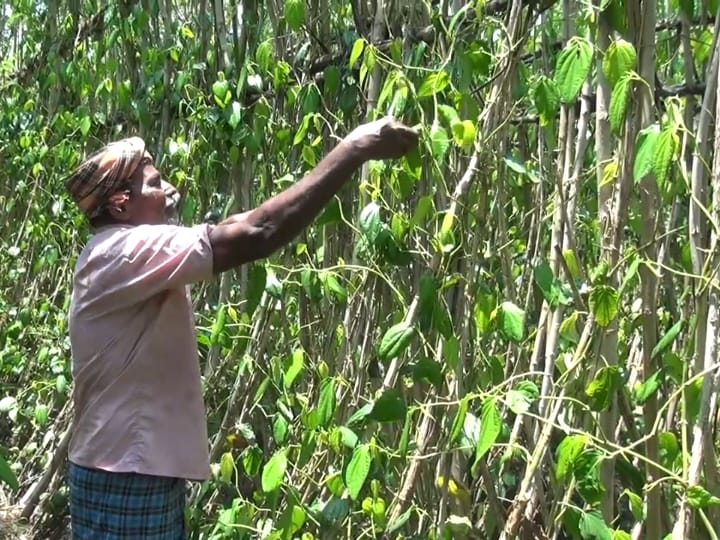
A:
{"x":104,"y":173}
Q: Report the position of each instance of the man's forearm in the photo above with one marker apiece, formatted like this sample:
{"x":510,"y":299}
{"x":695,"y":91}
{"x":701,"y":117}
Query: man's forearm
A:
{"x":260,"y":232}
{"x":285,"y":215}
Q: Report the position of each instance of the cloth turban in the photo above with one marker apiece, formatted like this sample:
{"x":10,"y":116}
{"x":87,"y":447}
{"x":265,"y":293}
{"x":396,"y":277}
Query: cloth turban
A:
{"x":104,"y":173}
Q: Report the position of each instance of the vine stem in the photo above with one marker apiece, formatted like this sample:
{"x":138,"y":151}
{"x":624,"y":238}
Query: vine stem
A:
{"x":525,"y":495}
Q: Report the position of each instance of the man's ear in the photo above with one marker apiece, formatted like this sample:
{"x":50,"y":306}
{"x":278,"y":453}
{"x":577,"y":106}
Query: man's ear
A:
{"x":117,"y":205}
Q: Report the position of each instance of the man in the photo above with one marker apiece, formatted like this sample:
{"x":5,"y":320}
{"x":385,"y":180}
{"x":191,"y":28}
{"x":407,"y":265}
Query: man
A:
{"x":140,"y":428}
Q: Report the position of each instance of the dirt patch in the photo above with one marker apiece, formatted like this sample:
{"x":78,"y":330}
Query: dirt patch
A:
{"x":11,"y":526}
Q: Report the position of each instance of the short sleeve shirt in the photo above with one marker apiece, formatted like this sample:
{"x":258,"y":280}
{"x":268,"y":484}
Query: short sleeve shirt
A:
{"x":137,"y":386}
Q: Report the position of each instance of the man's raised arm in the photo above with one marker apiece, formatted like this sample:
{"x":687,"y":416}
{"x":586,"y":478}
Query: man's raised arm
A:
{"x":260,"y":232}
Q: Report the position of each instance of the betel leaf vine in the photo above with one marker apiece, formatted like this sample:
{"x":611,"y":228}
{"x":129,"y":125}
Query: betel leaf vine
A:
{"x":528,"y":298}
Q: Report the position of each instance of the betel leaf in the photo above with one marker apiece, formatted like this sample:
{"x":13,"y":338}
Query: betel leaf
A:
{"x":370,"y":224}
{"x":357,"y":50}
{"x":357,"y":470}
{"x":603,"y":387}
{"x":699,"y":497}
{"x":433,"y":84}
{"x":448,"y":114}
{"x":648,"y":388}
{"x":7,"y":475}
{"x":645,"y":153}
{"x":552,"y":289}
{"x":517,"y":402}
{"x":297,"y":362}
{"x":464,"y":133}
{"x":636,"y":505}
{"x":395,"y":341}
{"x":252,"y":460}
{"x":547,"y":100}
{"x":667,"y":339}
{"x":360,"y":415}
{"x":227,"y":466}
{"x":687,"y":7}
{"x":573,"y":67}
{"x":439,"y":142}
{"x":257,"y":276}
{"x":593,"y":527}
{"x":620,"y":59}
{"x":280,"y":429}
{"x":327,"y":403}
{"x":405,"y":436}
{"x":604,"y":304}
{"x":295,"y":13}
{"x":459,"y":422}
{"x":428,"y":370}
{"x":389,"y":407}
{"x":221,"y":92}
{"x":274,"y":471}
{"x":619,"y":104}
{"x":490,"y":428}
{"x":512,"y":321}
{"x":520,"y":398}
{"x":571,"y":447}
{"x":667,"y":143}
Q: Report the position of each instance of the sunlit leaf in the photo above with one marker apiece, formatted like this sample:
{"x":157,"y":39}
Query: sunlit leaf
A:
{"x":295,"y":13}
{"x":619,"y":103}
{"x":593,"y":527}
{"x":395,"y":340}
{"x":274,"y":471}
{"x":667,"y":143}
{"x":699,"y":497}
{"x":433,"y":84}
{"x":573,"y":67}
{"x":357,"y":470}
{"x":645,"y":154}
{"x":620,"y":59}
{"x":604,"y":304}
{"x":490,"y":428}
{"x":567,"y":453}
{"x":512,"y":321}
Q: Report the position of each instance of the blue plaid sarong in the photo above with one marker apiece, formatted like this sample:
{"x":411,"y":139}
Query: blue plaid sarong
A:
{"x":115,"y":506}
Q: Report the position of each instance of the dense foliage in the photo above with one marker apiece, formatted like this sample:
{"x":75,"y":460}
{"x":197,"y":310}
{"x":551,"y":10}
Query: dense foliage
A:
{"x":512,"y":333}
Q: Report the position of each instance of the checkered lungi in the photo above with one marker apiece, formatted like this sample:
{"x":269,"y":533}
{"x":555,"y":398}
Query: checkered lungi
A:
{"x":114,"y":506}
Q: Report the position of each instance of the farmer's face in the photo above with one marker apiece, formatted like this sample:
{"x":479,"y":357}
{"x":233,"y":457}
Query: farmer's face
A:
{"x":152,"y":200}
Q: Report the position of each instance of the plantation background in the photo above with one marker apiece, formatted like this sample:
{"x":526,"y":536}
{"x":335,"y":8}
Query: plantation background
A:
{"x":512,"y":333}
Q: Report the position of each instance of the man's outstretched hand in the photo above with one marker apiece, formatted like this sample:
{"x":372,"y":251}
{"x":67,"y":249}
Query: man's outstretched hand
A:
{"x":386,"y":138}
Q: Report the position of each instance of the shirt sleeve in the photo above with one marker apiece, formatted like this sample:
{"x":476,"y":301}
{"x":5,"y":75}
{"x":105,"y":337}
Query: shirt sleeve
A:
{"x":133,"y":264}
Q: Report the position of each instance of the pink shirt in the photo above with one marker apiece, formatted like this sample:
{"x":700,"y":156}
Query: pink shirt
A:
{"x":137,"y":388}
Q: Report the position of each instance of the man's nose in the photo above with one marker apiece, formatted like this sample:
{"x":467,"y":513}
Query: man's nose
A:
{"x":169,"y":189}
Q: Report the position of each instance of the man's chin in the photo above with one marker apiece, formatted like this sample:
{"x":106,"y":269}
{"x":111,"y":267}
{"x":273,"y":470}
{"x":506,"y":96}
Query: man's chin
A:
{"x":171,"y":217}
